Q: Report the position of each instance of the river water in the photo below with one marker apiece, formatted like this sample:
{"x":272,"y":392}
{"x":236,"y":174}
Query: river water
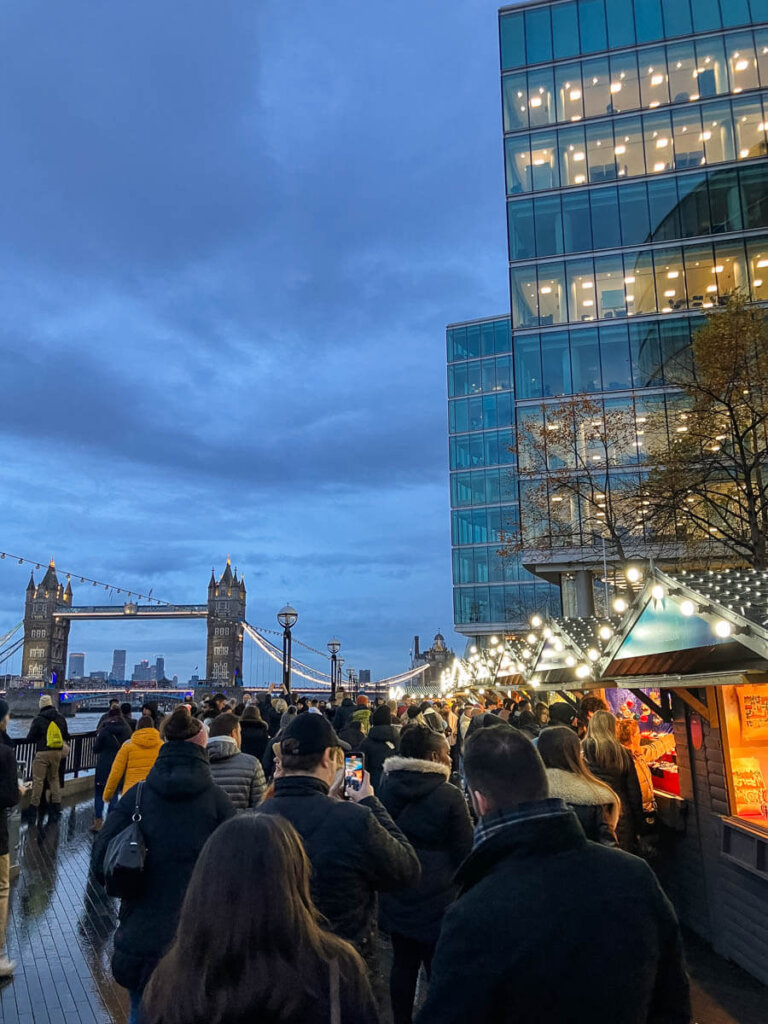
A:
{"x":84,"y":721}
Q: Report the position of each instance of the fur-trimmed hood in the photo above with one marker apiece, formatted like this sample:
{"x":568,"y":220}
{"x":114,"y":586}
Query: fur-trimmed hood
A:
{"x":574,"y":789}
{"x":415,"y":764}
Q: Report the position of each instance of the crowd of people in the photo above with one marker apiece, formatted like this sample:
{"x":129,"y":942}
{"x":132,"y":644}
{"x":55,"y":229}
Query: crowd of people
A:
{"x":490,"y":843}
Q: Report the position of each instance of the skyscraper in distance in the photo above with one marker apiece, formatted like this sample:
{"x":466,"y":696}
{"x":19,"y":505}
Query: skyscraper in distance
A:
{"x":118,"y":666}
{"x":76,"y":665}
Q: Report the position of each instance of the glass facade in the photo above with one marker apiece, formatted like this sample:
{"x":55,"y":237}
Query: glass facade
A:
{"x":636,"y":163}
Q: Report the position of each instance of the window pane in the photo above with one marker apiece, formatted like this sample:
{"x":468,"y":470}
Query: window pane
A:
{"x":732,"y":279}
{"x":502,"y":334}
{"x":706,"y":15}
{"x":659,"y":147}
{"x":549,"y":226}
{"x":757,"y":254}
{"x":475,"y":413}
{"x":544,"y":160}
{"x":552,"y":305}
{"x":677,"y":17}
{"x":625,"y":83}
{"x":629,"y":150}
{"x":648,"y":23}
{"x":542,"y":108}
{"x":750,"y":129}
{"x":529,"y":428}
{"x":597,"y":87}
{"x":600,"y":155}
{"x":735,"y":12}
{"x":474,"y":378}
{"x":573,"y":156}
{"x":538,"y":35}
{"x":761,"y":46}
{"x":689,"y":145}
{"x":606,"y":224}
{"x":644,"y":349}
{"x":609,"y":285}
{"x":712,"y":78}
{"x":569,"y":92}
{"x":702,"y":284}
{"x":654,"y":86}
{"x":585,"y":358}
{"x":565,"y":29}
{"x":556,"y":363}
{"x":754,"y":196}
{"x":639,"y":281}
{"x":489,"y":375}
{"x":759,"y":10}
{"x":724,"y":204}
{"x":693,"y":196}
{"x":577,"y":226}
{"x":662,"y":204}
{"x":521,"y":243}
{"x":518,"y":163}
{"x":681,"y":66}
{"x":512,"y":32}
{"x":459,"y":415}
{"x":457,"y":380}
{"x":717,"y":133}
{"x":592,"y":26}
{"x":504,"y":373}
{"x":581,"y":290}
{"x":621,"y":28}
{"x":525,"y":307}
{"x":486,"y":339}
{"x":742,"y":61}
{"x":473,"y":341}
{"x":675,"y":340}
{"x":515,"y":103}
{"x":670,"y":279}
{"x":633,"y":202}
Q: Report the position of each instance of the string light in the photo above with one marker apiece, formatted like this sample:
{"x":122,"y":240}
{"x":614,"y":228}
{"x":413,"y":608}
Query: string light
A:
{"x":84,"y":579}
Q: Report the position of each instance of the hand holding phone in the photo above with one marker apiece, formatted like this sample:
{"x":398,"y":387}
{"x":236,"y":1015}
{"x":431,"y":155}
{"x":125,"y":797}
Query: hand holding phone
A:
{"x":357,"y":781}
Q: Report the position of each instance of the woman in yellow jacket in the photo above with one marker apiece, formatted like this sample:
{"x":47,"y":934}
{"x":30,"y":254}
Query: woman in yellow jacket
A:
{"x":135,"y":758}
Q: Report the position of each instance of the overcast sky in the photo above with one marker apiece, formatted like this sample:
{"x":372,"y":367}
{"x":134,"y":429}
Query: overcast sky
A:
{"x":231,"y":237}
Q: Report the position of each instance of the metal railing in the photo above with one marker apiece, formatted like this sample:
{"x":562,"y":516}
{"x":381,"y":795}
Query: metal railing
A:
{"x":80,"y":758}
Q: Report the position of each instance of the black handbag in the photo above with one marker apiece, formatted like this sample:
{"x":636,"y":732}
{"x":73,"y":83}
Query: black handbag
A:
{"x":125,"y":858}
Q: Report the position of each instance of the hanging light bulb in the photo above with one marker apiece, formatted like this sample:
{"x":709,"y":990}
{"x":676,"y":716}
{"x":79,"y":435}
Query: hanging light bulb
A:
{"x":620,"y":605}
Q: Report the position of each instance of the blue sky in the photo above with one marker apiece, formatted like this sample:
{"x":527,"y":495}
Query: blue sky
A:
{"x":232,"y":235}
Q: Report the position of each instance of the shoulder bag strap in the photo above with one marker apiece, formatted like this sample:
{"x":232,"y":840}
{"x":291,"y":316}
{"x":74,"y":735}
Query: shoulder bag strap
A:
{"x":137,"y":808}
{"x":335,"y":998}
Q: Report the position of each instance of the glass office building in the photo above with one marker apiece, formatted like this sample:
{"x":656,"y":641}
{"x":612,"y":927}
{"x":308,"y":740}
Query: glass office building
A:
{"x":636,"y":164}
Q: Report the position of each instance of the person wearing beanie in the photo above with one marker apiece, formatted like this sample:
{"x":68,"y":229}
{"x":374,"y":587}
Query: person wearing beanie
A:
{"x":180,"y":808}
{"x":9,"y":797}
{"x":109,"y":739}
{"x":135,"y":758}
{"x":126,"y":711}
{"x":50,"y":735}
{"x":362,"y":713}
{"x":381,"y":742}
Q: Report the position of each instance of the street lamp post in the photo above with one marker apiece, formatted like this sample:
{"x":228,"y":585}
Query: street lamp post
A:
{"x":287,"y":617}
{"x":334,"y":646}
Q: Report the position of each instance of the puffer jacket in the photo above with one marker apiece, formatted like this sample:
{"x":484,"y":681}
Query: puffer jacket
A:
{"x":598,"y":814}
{"x":380,"y":743}
{"x":180,"y":807}
{"x":106,"y":746}
{"x":433,"y":815}
{"x":133,"y":762}
{"x":239,"y":775}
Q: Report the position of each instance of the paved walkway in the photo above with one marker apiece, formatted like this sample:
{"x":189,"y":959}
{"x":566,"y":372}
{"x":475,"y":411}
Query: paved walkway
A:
{"x":61,"y":927}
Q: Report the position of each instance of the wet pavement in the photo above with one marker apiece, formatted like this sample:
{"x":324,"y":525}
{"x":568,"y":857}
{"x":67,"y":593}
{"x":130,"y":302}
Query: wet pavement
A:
{"x":61,"y":927}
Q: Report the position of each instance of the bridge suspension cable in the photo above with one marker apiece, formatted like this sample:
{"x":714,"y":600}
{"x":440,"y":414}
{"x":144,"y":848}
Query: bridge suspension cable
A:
{"x":320,"y":678}
{"x":11,"y":650}
{"x":7,"y":636}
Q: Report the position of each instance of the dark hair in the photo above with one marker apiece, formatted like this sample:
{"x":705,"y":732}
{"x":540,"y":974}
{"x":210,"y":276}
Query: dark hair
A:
{"x":180,"y":725}
{"x":267,"y":957}
{"x":420,"y":741}
{"x":251,"y":714}
{"x":114,"y":700}
{"x":413,"y":711}
{"x":126,"y":708}
{"x":114,"y":713}
{"x":588,"y":705}
{"x":224,"y":724}
{"x":299,"y":762}
{"x":145,"y":722}
{"x":503,"y":765}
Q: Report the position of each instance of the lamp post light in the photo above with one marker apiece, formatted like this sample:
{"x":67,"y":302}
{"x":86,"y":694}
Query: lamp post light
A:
{"x":287,"y":617}
{"x":334,"y":646}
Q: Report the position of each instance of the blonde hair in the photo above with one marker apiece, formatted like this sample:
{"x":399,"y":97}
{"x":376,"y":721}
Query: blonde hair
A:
{"x":280,"y":706}
{"x":601,"y":747}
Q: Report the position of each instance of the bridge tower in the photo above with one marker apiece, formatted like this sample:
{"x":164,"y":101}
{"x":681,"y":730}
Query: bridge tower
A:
{"x":226,"y":612}
{"x":45,"y":635}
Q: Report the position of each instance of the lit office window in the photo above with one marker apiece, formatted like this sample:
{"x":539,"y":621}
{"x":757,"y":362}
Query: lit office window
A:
{"x":670,"y":280}
{"x":717,"y":133}
{"x":581,"y":290}
{"x":569,"y":92}
{"x":688,"y":141}
{"x":659,"y":142}
{"x":544,"y":163}
{"x":742,"y":61}
{"x":518,"y":164}
{"x":542,"y":109}
{"x":625,"y":82}
{"x":609,"y":286}
{"x":573,"y":155}
{"x":515,"y":101}
{"x":629,"y":148}
{"x":750,"y":127}
{"x":552,"y":303}
{"x":597,"y":87}
{"x":757,"y":259}
{"x":654,"y":84}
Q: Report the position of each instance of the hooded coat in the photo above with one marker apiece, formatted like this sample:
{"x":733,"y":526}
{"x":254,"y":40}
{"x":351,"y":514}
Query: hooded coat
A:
{"x":614,"y":956}
{"x":180,"y":808}
{"x":133,"y":762}
{"x":254,"y":737}
{"x":109,"y":739}
{"x":433,"y":815}
{"x":381,"y":742}
{"x":353,"y":735}
{"x":597,"y":812}
{"x":38,"y":731}
{"x":239,"y":775}
{"x":343,"y":715}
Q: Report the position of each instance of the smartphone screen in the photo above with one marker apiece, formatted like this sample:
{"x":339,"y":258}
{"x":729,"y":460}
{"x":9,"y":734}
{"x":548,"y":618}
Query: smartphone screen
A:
{"x":353,"y":771}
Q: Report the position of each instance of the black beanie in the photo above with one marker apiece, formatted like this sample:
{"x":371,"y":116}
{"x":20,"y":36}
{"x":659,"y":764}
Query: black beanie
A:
{"x":381,"y":716}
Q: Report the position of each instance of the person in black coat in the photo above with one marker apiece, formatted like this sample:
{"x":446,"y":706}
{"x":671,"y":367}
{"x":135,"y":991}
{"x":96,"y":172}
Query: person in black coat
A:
{"x":9,"y":797}
{"x":613,"y":764}
{"x":253,"y":730}
{"x":592,"y":801}
{"x":611,"y":951}
{"x":381,"y":742}
{"x":353,"y":735}
{"x":180,"y":808}
{"x":433,"y":815}
{"x":110,"y":737}
{"x":355,"y":848}
{"x":343,"y":714}
{"x":47,"y":760}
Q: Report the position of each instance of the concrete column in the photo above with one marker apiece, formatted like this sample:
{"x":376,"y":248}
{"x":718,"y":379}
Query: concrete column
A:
{"x":585,"y":593}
